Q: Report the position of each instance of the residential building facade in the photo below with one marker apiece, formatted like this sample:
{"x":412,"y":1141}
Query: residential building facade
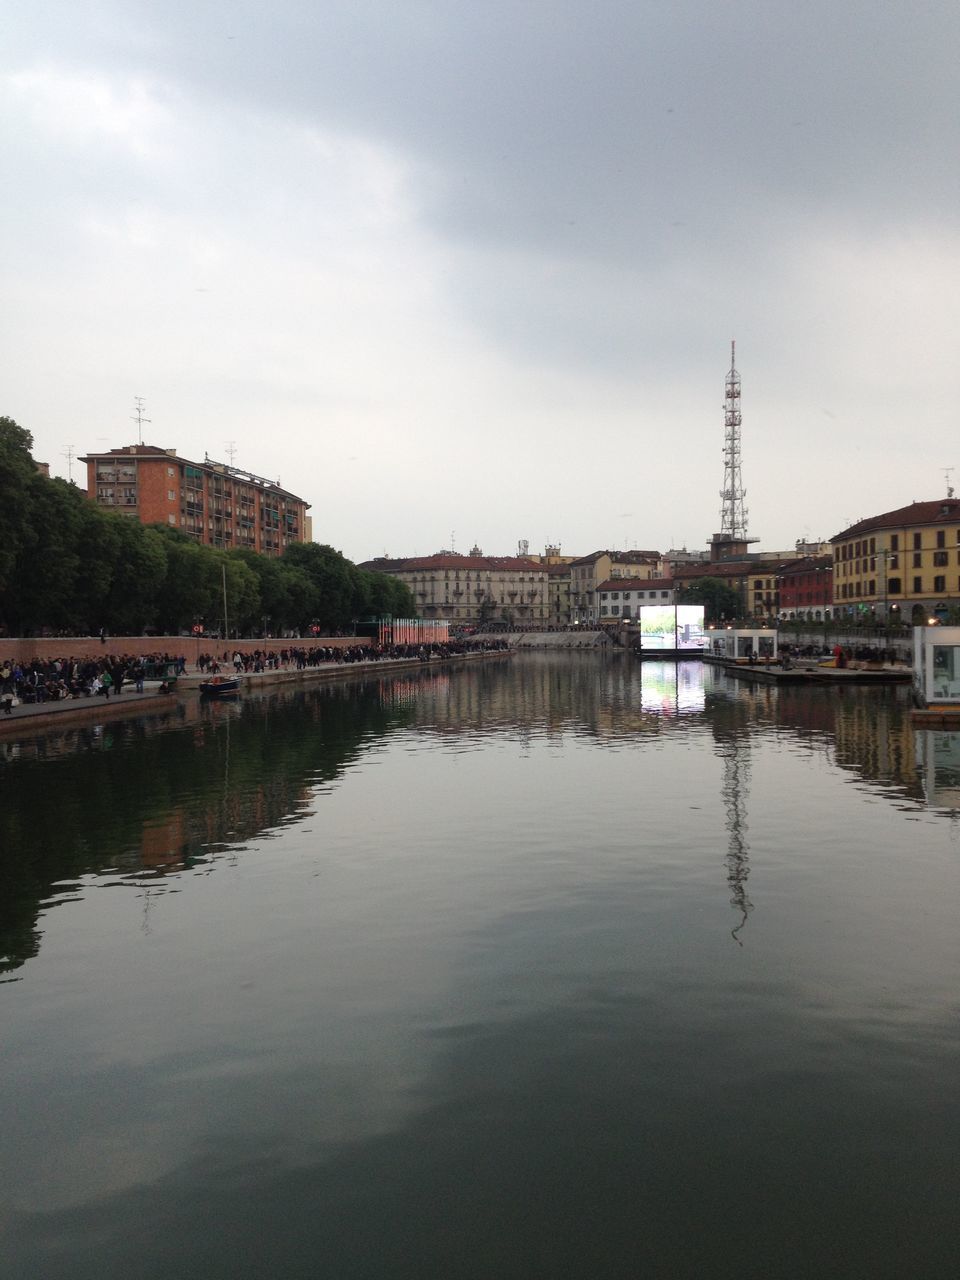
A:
{"x":621,"y":599}
{"x":806,"y":589}
{"x":903,"y":564}
{"x":218,"y":505}
{"x":755,"y":579}
{"x":587,"y":573}
{"x":475,"y":589}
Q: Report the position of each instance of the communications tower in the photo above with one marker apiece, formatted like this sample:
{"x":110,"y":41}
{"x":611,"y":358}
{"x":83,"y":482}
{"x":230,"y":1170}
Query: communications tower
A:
{"x":732,"y":539}
{"x":733,"y":514}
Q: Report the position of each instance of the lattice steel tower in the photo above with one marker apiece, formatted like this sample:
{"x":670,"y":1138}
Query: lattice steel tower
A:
{"x":733,"y":514}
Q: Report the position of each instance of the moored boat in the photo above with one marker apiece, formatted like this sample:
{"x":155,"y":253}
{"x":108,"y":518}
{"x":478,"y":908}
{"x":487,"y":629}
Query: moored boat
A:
{"x":220,"y":687}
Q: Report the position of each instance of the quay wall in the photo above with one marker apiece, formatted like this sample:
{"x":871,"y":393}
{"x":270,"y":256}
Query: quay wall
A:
{"x":25,"y":649}
{"x":558,"y":639}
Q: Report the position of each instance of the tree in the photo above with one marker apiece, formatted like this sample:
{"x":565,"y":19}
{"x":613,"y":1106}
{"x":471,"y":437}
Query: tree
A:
{"x":720,"y":602}
{"x":16,"y":471}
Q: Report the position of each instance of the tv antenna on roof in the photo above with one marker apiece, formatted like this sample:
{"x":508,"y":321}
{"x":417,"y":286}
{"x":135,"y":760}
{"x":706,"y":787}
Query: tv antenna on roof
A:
{"x":69,"y":455}
{"x":232,"y":451}
{"x":138,"y":417}
{"x":947,"y":473}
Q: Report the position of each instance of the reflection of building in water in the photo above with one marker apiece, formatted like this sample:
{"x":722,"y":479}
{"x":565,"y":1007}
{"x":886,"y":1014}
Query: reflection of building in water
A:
{"x":874,"y":738}
{"x":938,"y":755}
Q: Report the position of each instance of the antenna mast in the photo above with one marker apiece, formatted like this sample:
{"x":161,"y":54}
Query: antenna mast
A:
{"x":138,"y":418}
{"x":947,"y":473}
{"x":733,"y":514}
{"x":69,"y":455}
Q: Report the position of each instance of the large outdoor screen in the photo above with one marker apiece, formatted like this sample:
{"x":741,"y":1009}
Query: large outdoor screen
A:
{"x":671,"y":627}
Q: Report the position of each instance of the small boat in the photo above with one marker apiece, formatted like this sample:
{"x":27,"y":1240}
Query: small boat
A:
{"x":220,"y":687}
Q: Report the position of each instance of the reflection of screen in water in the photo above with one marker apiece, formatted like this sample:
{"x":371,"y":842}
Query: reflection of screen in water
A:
{"x":671,"y":628}
{"x":669,"y":688}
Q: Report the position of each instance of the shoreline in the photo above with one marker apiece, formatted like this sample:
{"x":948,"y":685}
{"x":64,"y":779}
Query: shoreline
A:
{"x":37,"y":718}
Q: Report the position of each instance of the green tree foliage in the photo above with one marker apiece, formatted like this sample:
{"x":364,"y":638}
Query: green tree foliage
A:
{"x":16,"y":472}
{"x":720,"y":602}
{"x":66,"y":564}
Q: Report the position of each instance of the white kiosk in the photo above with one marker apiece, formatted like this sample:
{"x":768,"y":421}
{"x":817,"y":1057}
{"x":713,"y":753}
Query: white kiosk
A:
{"x":734,"y":644}
{"x":936,"y":665}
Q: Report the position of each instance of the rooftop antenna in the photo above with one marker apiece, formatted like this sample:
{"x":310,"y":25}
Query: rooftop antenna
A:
{"x":138,"y":417}
{"x":453,"y":540}
{"x":69,"y":455}
{"x":232,"y":451}
{"x":947,"y":473}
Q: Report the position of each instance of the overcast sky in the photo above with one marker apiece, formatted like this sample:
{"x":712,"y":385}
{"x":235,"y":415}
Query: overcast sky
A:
{"x":470,"y":271}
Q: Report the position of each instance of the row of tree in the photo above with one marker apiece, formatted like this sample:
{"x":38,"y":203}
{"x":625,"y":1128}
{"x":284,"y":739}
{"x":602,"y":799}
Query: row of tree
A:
{"x":67,"y":565}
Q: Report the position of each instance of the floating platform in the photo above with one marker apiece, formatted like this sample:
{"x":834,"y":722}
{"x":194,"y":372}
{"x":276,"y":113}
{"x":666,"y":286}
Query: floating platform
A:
{"x":945,"y":717}
{"x":797,"y":673}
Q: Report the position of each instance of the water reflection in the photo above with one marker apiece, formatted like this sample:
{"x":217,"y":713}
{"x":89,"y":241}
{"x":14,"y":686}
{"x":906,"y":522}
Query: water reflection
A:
{"x":139,"y":800}
{"x":432,"y":975}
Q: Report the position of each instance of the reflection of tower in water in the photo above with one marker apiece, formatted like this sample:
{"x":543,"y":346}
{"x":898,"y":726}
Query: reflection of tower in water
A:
{"x":735,"y":754}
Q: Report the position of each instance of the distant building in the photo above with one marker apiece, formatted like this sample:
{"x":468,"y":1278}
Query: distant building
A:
{"x":755,"y":578}
{"x":621,"y":598}
{"x":902,"y":564}
{"x":470,"y":590}
{"x":587,"y":572}
{"x":806,"y":589}
{"x":218,"y":505}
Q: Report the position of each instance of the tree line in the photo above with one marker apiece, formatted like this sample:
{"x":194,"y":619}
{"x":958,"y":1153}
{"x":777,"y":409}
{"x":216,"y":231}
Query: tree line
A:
{"x":68,"y":565}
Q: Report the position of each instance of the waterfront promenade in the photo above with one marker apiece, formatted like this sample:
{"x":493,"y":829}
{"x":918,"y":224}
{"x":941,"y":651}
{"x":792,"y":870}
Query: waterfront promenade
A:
{"x":38,"y":716}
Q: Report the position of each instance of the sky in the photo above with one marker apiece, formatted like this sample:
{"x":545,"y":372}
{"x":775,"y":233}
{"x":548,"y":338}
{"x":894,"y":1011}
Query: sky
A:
{"x":468,"y":272}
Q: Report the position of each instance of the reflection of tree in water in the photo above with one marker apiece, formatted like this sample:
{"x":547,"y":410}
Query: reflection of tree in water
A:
{"x":145,"y":802}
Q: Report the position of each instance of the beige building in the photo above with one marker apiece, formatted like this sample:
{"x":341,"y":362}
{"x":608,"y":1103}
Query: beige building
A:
{"x":902,"y":564}
{"x":588,"y":572}
{"x":474,"y":589}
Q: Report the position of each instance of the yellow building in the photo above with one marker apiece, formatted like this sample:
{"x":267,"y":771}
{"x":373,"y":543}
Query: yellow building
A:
{"x":904,"y":564}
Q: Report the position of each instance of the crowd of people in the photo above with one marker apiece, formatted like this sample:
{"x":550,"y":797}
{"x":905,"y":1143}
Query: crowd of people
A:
{"x":58,"y":679}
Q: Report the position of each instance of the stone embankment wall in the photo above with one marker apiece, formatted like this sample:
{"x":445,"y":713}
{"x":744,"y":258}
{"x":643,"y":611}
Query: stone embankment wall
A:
{"x":559,"y":639}
{"x":48,"y":647}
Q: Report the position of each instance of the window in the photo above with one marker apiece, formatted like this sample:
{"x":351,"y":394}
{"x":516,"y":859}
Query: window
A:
{"x":917,"y":544}
{"x":872,"y":587}
{"x":873,"y":545}
{"x":941,"y":537}
{"x":171,"y":496}
{"x":939,"y":558}
{"x":663,"y":594}
{"x":615,"y":609}
{"x":893,"y":562}
{"x":918,"y":586}
{"x":171,"y":519}
{"x":940,"y":582}
{"x":917,"y":560}
{"x":895,"y":541}
{"x":893,"y":586}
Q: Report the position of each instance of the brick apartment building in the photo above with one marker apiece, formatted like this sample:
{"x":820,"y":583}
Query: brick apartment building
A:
{"x":217,"y":504}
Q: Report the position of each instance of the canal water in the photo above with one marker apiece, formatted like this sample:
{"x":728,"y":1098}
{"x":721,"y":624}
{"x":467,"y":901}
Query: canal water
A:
{"x":551,"y":966}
